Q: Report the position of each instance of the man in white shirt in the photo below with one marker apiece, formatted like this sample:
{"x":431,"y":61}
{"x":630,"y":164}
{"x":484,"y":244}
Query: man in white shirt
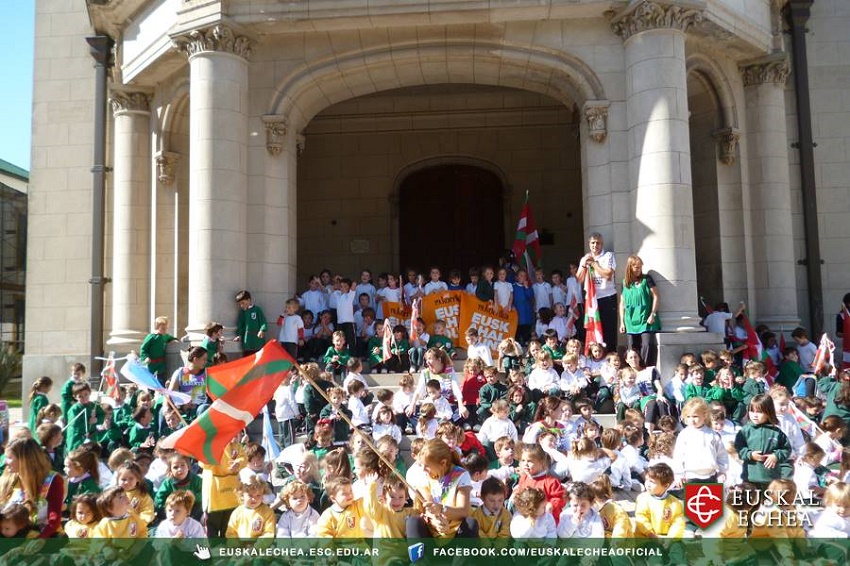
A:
{"x":604,"y":267}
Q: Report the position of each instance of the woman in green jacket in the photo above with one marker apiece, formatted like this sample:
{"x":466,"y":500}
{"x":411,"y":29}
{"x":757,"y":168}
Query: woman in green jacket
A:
{"x":639,"y":311}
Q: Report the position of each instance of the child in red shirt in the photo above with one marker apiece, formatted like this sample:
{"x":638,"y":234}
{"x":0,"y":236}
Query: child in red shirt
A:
{"x":534,"y":472}
{"x":473,"y":381}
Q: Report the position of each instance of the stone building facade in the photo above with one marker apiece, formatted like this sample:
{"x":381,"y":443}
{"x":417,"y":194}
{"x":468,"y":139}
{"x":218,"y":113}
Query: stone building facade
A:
{"x":253,"y":142}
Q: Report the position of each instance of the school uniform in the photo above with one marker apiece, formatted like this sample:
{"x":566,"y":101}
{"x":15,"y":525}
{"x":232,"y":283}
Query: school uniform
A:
{"x":492,"y":525}
{"x":337,"y":522}
{"x":128,"y":526}
{"x":251,"y":523}
{"x":542,"y":527}
{"x":663,"y":516}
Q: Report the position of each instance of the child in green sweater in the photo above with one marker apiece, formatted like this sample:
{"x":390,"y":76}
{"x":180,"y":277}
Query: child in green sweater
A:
{"x":83,"y":417}
{"x":152,"y":351}
{"x":251,"y":326}
{"x":81,"y":469}
{"x":179,"y":477}
{"x":337,"y":356}
{"x":762,"y":446}
{"x":38,"y":399}
{"x":78,"y":375}
{"x":142,"y":434}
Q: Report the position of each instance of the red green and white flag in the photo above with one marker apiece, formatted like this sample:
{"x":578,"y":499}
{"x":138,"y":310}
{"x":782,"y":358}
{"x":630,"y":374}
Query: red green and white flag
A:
{"x":526,"y":241}
{"x":825,"y":355}
{"x":251,"y":382}
{"x":592,"y":320}
{"x":387,"y":342}
{"x":414,"y":315}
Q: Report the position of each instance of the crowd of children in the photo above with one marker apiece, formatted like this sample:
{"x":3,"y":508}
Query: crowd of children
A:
{"x":504,"y":449}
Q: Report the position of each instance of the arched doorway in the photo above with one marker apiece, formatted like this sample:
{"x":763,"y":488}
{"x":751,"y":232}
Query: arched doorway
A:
{"x":451,"y":216}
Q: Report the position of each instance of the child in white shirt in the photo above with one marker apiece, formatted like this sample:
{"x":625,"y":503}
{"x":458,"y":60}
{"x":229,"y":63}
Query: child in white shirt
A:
{"x":542,"y":291}
{"x":435,"y":285}
{"x":365,"y":286}
{"x":477,"y":350}
{"x":531,"y":519}
{"x":573,"y":380}
{"x":300,"y":518}
{"x":503,"y":291}
{"x":435,"y":397}
{"x":498,"y":425}
{"x":805,"y":477}
{"x":359,"y":414}
{"x":178,"y":523}
{"x":700,"y":454}
{"x":544,"y":377}
{"x":834,"y":521}
{"x":384,"y":425}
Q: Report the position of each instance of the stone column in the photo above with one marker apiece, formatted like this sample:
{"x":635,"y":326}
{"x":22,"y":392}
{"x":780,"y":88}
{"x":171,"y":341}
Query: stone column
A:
{"x":131,"y":218}
{"x":659,"y":153}
{"x":770,"y":194}
{"x":218,"y":152}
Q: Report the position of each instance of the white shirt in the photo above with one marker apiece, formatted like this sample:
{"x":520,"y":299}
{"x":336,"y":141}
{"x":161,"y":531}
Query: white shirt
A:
{"x":503,"y":291}
{"x":290,"y":327}
{"x":354,"y":377}
{"x":569,"y":379}
{"x":470,"y":288}
{"x":389,"y":296}
{"x":586,"y":470}
{"x":543,"y":527}
{"x":429,"y":431}
{"x":543,"y":379}
{"x":637,"y":463}
{"x":574,"y":290}
{"x":410,"y":289}
{"x":832,"y":448}
{"x":345,"y":306}
{"x":559,"y":325}
{"x":285,"y":406}
{"x":435,"y":287}
{"x":807,"y":356}
{"x":621,"y":474}
{"x":379,"y":430}
{"x":415,"y":477}
{"x":444,"y":410}
{"x":190,"y":529}
{"x":314,"y":301}
{"x":716,"y":322}
{"x":298,"y":525}
{"x":605,"y":287}
{"x":495,"y":428}
{"x":590,"y":526}
{"x":401,"y":401}
{"x":367,"y":288}
{"x":830,"y":525}
{"x":675,"y":389}
{"x":805,"y":479}
{"x":559,"y":295}
{"x":791,"y":428}
{"x":480,"y":351}
{"x":359,"y":414}
{"x":699,"y":453}
{"x":542,"y":295}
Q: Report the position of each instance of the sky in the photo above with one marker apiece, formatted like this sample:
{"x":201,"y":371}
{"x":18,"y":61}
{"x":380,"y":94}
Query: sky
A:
{"x":17,"y":25}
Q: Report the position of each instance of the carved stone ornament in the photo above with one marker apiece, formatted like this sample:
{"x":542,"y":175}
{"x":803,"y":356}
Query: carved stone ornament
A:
{"x":218,"y":38}
{"x":597,"y":122}
{"x":129,"y":101}
{"x":649,"y":15}
{"x":166,"y":162}
{"x":300,"y":143}
{"x":775,"y":71}
{"x":727,"y":144}
{"x":275,"y":133}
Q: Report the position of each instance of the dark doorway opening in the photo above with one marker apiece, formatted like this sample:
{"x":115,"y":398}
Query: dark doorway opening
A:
{"x":451,"y":216}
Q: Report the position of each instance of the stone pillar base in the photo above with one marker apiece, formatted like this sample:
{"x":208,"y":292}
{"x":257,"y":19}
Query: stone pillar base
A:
{"x":671,"y":346}
{"x":125,"y":340}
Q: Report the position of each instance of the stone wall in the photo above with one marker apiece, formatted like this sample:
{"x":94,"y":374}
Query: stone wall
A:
{"x":356,"y":153}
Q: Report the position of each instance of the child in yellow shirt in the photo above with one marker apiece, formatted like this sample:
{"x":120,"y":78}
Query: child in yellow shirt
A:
{"x":494,"y":521}
{"x":84,"y":516}
{"x":659,"y":515}
{"x":345,"y":518}
{"x":118,"y":522}
{"x":388,"y":514}
{"x":129,"y":477}
{"x":218,"y":488}
{"x":615,"y":520}
{"x":253,"y":518}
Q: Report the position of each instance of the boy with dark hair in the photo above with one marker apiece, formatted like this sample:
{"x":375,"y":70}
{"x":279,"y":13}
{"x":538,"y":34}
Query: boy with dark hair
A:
{"x":251,"y":326}
{"x":212,"y":341}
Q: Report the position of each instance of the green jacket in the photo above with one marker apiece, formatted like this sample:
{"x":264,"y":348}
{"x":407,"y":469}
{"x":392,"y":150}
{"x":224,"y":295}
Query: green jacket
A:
{"x":341,"y":428}
{"x":768,"y":439}
{"x":313,"y":401}
{"x":152,"y":352}
{"x":67,"y":397}
{"x":373,"y":356}
{"x":442,"y":343}
{"x":211,"y":346}
{"x":169,"y":485}
{"x":88,"y":485}
{"x":344,"y":356}
{"x":38,"y":402}
{"x":136,"y":435}
{"x":251,"y":321}
{"x":112,"y":437}
{"x":752,"y":388}
{"x":693,"y":390}
{"x":789,"y":372}
{"x":556,"y":353}
{"x":79,"y":429}
{"x":486,"y":395}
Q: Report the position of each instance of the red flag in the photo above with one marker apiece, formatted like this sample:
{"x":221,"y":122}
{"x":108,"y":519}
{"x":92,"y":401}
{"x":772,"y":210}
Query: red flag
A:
{"x":206,"y":438}
{"x":845,"y":340}
{"x":824,"y":356}
{"x":110,"y":377}
{"x":387,"y":342}
{"x":757,"y":353}
{"x":526,"y":241}
{"x":592,"y":319}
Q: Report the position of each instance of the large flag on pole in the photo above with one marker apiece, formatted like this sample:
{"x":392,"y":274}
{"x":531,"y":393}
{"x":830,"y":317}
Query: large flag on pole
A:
{"x":206,"y":438}
{"x":592,"y":319}
{"x":415,"y":307}
{"x":141,"y":376}
{"x":110,"y":377}
{"x":526,"y":241}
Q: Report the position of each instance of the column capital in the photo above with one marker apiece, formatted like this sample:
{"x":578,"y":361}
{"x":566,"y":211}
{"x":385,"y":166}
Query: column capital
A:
{"x":276,"y":127}
{"x":649,"y":15}
{"x":727,"y":144}
{"x":220,"y":38}
{"x":774,"y":69}
{"x":596,"y":114}
{"x":125,"y":101}
{"x":166,"y":161}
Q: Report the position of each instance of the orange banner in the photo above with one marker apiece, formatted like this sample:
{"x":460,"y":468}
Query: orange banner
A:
{"x":445,"y":307}
{"x":493,"y":327}
{"x":396,"y":313}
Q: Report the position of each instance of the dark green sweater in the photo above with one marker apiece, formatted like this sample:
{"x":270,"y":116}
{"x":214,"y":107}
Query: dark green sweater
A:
{"x":88,"y":485}
{"x":169,"y":485}
{"x":767,"y":439}
{"x":486,"y":395}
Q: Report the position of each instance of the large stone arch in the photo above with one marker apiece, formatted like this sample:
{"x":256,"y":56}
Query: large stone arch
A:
{"x":316,"y":85}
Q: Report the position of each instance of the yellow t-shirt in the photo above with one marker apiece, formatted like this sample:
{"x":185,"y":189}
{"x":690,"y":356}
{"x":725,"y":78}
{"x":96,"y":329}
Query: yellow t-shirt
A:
{"x":386,"y":523}
{"x":219,"y":483}
{"x":615,"y":521}
{"x":142,"y":505}
{"x":129,"y":526}
{"x":78,"y":530}
{"x":493,"y":526}
{"x":343,"y":523}
{"x":251,"y":523}
{"x":663,"y":517}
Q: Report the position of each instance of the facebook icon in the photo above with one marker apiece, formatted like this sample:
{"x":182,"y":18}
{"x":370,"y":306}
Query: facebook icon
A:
{"x":416,"y":551}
